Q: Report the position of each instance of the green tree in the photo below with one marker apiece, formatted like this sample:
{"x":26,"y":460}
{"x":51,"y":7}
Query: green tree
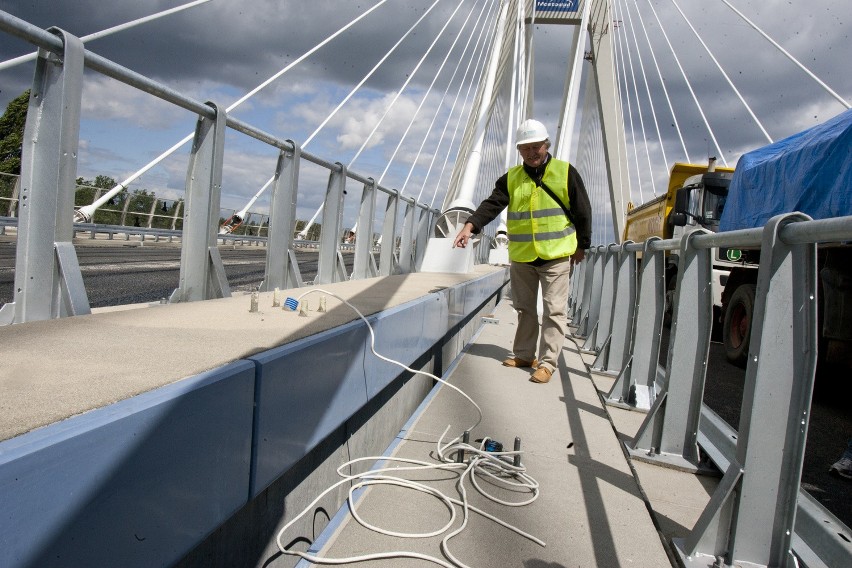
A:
{"x":12,"y":134}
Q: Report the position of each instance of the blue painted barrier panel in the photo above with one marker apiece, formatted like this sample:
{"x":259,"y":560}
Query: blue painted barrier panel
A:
{"x":305,"y":390}
{"x":309,"y":388}
{"x":404,"y":334}
{"x":136,"y":483}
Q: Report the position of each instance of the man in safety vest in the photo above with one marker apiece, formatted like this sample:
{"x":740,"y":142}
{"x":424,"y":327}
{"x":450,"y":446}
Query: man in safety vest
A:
{"x":549,"y":224}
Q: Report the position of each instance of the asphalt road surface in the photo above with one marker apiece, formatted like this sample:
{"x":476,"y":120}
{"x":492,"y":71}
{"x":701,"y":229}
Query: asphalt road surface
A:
{"x":126,"y":273}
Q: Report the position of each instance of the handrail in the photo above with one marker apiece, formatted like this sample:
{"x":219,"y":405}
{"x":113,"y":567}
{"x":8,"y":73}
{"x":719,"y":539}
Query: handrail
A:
{"x":752,"y":518}
{"x":46,"y":40}
{"x":60,"y":88}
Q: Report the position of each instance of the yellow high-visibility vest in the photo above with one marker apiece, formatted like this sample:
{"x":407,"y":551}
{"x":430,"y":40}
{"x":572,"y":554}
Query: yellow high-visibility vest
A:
{"x":537,"y":225}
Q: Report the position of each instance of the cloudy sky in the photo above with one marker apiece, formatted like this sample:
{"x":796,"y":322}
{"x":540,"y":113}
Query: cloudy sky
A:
{"x":220,"y":50}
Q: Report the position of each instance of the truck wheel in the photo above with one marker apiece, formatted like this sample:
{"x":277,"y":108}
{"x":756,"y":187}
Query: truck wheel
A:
{"x":737,"y":326}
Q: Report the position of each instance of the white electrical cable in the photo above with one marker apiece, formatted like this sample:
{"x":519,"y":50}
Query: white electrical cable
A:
{"x":494,"y":465}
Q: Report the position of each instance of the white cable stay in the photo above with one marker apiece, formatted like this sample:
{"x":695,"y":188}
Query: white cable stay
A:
{"x":481,"y":39}
{"x":722,"y":71}
{"x":352,"y":92}
{"x":85,"y":213}
{"x":626,"y":97}
{"x":409,"y":77}
{"x":787,"y":54}
{"x":665,"y":89}
{"x":591,"y":155}
{"x":528,"y":68}
{"x":688,"y":85}
{"x":425,"y":97}
{"x":590,"y":152}
{"x":486,"y":42}
{"x":636,"y":94}
{"x":432,"y":84}
{"x":468,"y":79}
{"x":514,"y":86}
{"x":482,"y":36}
{"x":471,"y":97}
{"x":617,"y":111}
{"x":107,"y":32}
{"x":650,"y":100}
{"x":370,"y":73}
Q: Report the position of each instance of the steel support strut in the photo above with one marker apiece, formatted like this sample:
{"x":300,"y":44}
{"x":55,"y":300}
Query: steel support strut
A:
{"x":282,"y":270}
{"x":364,"y":265}
{"x":669,"y":434}
{"x":635,"y":385}
{"x":48,"y":283}
{"x":202,"y":275}
{"x":751,"y":517}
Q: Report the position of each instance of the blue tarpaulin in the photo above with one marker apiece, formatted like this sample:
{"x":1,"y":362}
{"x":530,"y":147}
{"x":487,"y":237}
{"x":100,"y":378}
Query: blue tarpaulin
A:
{"x":809,"y":172}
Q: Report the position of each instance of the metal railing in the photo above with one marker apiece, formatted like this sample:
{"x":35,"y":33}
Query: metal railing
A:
{"x":47,"y":273}
{"x":758,"y":514}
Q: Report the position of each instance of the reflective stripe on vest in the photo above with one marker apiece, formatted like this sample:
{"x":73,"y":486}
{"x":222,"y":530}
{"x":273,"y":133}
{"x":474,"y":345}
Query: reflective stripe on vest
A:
{"x":537,"y":226}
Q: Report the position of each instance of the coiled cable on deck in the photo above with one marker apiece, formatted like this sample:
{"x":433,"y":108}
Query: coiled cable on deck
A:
{"x":496,"y":465}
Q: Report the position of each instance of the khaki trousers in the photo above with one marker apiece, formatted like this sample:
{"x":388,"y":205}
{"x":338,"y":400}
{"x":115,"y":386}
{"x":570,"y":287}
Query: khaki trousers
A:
{"x":553,"y":278}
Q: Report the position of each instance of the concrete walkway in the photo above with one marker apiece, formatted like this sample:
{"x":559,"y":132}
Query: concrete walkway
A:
{"x":595,"y":507}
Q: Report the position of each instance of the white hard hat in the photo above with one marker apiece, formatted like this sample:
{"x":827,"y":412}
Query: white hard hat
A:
{"x":531,"y":131}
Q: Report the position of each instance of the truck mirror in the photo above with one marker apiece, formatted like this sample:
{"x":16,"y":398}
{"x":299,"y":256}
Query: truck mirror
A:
{"x":678,"y":219}
{"x":681,"y":204}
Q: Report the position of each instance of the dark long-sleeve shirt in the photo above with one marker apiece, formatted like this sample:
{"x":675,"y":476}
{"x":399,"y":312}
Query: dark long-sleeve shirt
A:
{"x":578,"y":200}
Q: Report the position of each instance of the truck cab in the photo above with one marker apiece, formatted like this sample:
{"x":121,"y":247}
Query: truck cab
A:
{"x":695,"y":200}
{"x":699,"y":205}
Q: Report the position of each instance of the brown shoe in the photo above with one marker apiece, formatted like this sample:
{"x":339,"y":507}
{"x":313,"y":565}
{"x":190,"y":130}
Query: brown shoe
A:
{"x":541,"y":375}
{"x":515,"y":362}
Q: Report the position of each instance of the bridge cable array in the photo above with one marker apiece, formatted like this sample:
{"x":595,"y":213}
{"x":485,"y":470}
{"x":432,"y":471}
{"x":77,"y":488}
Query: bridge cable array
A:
{"x":628,"y":89}
{"x":398,"y":94}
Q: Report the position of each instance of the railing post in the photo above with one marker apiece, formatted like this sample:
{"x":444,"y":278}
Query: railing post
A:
{"x":591,"y":305}
{"x":669,"y":433}
{"x":598,"y":340}
{"x":751,"y":517}
{"x":576,"y":283}
{"x":386,"y":259}
{"x":406,"y":251}
{"x":332,"y":224}
{"x":635,"y":385}
{"x":48,"y":283}
{"x":423,"y":231}
{"x":613,"y":356}
{"x":202,"y":275}
{"x":582,"y":308}
{"x":282,"y":269}
{"x":13,"y":201}
{"x":362,"y":267}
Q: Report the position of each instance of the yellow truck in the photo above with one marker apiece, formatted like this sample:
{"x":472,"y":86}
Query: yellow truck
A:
{"x":695,"y":199}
